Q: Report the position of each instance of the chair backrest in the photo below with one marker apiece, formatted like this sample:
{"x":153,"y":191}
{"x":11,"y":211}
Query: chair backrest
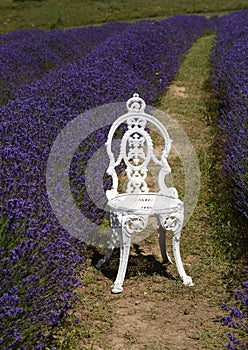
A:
{"x":136,"y":150}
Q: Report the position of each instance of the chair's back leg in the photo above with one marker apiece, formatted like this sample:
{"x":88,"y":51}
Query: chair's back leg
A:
{"x":115,"y":231}
{"x":109,"y":251}
{"x":162,"y":242}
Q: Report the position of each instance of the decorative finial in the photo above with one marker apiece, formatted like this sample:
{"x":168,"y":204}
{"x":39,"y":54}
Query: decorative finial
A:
{"x":136,"y":104}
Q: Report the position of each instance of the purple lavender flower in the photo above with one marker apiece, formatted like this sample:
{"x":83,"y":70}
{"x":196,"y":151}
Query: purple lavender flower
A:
{"x":230,"y":82}
{"x":237,"y":318}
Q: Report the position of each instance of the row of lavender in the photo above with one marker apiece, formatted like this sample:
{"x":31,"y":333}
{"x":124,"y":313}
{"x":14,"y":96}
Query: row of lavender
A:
{"x":230,"y":82}
{"x":237,"y":318}
{"x":32,"y":259}
{"x":28,"y":54}
{"x":39,"y":259}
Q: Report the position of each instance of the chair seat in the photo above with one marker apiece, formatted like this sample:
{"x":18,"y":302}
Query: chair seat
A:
{"x":145,"y":203}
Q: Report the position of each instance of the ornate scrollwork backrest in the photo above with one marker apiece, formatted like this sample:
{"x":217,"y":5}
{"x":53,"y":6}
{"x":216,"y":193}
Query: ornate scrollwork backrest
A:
{"x":136,"y":150}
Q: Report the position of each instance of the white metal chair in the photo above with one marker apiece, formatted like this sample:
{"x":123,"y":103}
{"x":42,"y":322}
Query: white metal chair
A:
{"x":130,"y":211}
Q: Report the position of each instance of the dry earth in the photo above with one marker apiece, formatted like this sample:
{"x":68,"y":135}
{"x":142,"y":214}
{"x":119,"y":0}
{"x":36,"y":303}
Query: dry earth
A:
{"x":155,"y":311}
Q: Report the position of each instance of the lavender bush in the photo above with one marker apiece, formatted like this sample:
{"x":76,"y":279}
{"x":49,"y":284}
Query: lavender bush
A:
{"x":27,"y":54}
{"x":230,"y":82}
{"x":237,"y":318}
{"x":40,"y":261}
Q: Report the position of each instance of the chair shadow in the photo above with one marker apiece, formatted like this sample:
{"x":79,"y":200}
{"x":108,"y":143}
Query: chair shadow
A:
{"x":138,"y":263}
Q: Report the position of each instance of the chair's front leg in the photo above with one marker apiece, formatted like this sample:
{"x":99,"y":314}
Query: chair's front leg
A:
{"x":125,"y":241}
{"x":130,"y":224}
{"x":174,"y":222}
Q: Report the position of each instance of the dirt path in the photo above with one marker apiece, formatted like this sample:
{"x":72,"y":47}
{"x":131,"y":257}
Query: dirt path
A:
{"x":156,"y":311}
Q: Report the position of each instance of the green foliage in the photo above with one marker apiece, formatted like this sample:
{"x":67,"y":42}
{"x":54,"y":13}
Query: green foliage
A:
{"x":50,"y":14}
{"x":27,"y":0}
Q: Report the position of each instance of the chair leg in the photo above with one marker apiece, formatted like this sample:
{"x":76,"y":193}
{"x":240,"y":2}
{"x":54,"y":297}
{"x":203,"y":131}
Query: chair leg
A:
{"x":125,"y":241}
{"x":162,"y":243}
{"x":174,"y":222}
{"x":115,"y":232}
{"x":110,"y":249}
{"x":187,"y":280}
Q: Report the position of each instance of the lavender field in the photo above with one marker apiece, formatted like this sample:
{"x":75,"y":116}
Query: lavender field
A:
{"x":46,"y":79}
{"x":229,"y":77}
{"x":230,"y":82}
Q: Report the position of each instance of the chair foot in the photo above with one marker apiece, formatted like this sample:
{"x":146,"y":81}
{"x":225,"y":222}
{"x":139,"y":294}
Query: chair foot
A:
{"x":187,"y":281}
{"x":100,"y":263}
{"x":106,"y":258}
{"x":116,"y":289}
{"x":167,"y":260}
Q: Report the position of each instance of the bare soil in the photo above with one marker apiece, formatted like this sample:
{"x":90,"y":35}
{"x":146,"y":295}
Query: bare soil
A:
{"x":155,"y":311}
